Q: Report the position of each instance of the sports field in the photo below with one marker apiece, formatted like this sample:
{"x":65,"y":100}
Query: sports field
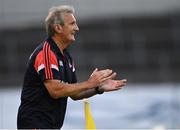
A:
{"x":134,"y":107}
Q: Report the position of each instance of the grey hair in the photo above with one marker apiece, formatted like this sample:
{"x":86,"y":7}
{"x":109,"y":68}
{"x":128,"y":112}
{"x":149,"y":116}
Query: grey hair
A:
{"x":55,"y":17}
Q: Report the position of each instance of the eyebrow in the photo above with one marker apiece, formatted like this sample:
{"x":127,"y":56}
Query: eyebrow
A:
{"x":73,"y":22}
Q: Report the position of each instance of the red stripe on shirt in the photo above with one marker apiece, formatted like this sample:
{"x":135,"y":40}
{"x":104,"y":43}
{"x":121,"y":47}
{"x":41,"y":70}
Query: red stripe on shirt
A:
{"x":49,"y":60}
{"x":46,"y":63}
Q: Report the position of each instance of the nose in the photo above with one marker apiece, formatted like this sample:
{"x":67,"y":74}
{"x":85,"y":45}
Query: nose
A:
{"x":76,"y":27}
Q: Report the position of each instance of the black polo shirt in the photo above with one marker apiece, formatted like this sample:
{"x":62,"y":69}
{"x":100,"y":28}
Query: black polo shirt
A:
{"x":38,"y":109}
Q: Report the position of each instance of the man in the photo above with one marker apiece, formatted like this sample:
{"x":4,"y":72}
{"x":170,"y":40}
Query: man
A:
{"x":50,"y":76}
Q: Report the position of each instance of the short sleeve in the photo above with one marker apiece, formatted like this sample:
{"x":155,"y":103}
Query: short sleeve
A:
{"x":46,"y":64}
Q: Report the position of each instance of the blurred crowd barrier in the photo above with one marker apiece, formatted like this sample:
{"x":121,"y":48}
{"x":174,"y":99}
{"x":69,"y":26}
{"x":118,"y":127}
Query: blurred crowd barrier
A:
{"x":136,"y":106}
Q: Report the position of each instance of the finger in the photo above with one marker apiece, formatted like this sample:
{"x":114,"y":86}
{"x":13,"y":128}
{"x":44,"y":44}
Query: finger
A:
{"x":120,"y":86}
{"x":104,"y":73}
{"x":95,"y":70}
{"x":124,"y":80}
{"x":117,"y":88}
{"x":111,"y":76}
{"x":107,"y":73}
{"x":120,"y":83}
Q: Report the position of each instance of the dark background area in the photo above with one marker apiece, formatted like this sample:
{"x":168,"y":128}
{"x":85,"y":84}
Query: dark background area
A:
{"x":142,"y":49}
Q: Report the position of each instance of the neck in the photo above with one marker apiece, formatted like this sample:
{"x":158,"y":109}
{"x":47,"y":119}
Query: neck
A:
{"x":59,"y":42}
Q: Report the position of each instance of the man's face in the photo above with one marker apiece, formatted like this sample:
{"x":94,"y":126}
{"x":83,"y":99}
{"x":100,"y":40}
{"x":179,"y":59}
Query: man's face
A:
{"x":69,"y":28}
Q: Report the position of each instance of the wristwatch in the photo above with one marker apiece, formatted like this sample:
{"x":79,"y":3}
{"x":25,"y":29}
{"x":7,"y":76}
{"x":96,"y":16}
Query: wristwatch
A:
{"x":98,"y":91}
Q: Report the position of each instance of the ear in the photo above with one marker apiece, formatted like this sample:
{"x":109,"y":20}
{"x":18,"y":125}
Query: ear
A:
{"x":58,"y":28}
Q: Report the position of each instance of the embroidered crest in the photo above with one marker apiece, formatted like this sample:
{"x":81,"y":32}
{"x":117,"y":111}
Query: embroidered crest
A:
{"x":61,"y":63}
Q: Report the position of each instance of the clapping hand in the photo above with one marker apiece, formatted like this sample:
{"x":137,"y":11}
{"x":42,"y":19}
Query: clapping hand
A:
{"x":107,"y":83}
{"x":112,"y":85}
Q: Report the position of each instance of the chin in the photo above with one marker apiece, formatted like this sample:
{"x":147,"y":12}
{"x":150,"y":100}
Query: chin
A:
{"x":71,"y":41}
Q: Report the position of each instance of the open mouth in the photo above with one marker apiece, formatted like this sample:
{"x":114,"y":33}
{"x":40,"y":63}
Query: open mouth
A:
{"x":73,"y":33}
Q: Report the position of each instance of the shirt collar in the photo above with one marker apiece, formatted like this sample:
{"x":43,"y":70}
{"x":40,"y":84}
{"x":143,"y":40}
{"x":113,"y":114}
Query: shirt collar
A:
{"x":55,"y":47}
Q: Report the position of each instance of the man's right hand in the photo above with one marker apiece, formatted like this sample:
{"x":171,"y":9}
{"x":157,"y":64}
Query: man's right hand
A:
{"x":99,"y":76}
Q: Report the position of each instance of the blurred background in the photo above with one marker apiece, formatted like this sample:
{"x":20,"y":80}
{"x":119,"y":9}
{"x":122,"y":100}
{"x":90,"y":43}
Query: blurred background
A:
{"x":139,"y":39}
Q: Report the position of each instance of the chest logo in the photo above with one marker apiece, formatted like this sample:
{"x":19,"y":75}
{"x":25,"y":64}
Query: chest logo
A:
{"x":61,"y":63}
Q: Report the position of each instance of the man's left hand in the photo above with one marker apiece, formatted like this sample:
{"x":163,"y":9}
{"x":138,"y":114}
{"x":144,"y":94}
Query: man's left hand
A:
{"x":112,"y":85}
